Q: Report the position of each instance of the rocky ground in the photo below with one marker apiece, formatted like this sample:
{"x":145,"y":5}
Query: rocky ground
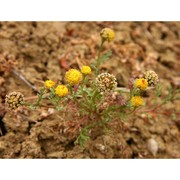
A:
{"x":45,"y":50}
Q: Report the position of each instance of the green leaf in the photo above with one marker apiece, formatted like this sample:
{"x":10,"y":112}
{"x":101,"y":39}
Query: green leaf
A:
{"x":32,"y":107}
{"x":105,"y":57}
{"x":93,"y":66}
{"x":174,"y":117}
{"x":59,"y":108}
{"x":158,"y":90}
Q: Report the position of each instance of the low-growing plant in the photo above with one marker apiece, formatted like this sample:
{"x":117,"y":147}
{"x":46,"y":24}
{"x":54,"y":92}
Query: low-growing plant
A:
{"x":92,"y":97}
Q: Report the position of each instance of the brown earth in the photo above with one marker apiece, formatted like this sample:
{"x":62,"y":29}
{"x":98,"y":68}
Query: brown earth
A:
{"x":44,"y":50}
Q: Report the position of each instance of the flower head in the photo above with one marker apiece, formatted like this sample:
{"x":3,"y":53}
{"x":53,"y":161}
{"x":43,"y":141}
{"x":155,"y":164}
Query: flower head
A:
{"x":141,"y":83}
{"x":107,"y":34}
{"x":106,"y":82}
{"x":73,"y":76}
{"x":151,"y":77}
{"x":14,"y":100}
{"x":61,"y":90}
{"x":137,"y":101}
{"x":49,"y":84}
{"x":86,"y":70}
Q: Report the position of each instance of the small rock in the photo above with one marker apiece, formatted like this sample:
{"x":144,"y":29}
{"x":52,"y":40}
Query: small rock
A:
{"x":152,"y":146}
{"x":100,"y":147}
{"x":2,"y":145}
{"x":58,"y":154}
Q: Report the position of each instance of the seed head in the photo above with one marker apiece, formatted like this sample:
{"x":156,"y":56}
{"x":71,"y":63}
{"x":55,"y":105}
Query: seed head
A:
{"x":151,"y":77}
{"x":107,"y":34}
{"x":14,"y":100}
{"x":61,"y":90}
{"x":73,"y":77}
{"x":106,"y":82}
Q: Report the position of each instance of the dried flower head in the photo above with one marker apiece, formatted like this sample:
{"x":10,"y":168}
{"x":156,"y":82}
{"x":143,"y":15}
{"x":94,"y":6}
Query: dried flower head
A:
{"x":141,"y":83}
{"x":115,"y":98}
{"x":151,"y":77}
{"x":137,"y":101}
{"x":107,"y":34}
{"x":106,"y":82}
{"x":131,"y":83}
{"x":86,"y":70}
{"x":73,"y":76}
{"x":49,"y":84}
{"x":61,"y":90}
{"x":121,"y":101}
{"x":14,"y":100}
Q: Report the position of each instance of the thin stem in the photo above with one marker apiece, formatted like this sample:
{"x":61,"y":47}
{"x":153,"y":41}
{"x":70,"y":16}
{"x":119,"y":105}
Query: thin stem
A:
{"x":100,"y":48}
{"x":93,"y":99}
{"x":99,"y":53}
{"x":134,"y":109}
{"x":25,"y":80}
{"x":34,"y":97}
{"x":127,"y":90}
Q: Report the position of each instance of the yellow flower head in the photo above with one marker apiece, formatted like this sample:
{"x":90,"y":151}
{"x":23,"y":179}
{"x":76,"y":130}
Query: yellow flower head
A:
{"x":141,"y":83}
{"x":137,"y":101}
{"x":107,"y":34}
{"x":61,"y":90}
{"x":86,"y":70}
{"x":49,"y":84}
{"x":73,"y":76}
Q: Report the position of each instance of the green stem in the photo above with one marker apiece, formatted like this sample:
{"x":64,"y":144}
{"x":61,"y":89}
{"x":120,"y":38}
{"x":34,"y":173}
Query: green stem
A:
{"x":83,"y":136}
{"x":93,"y":99}
{"x":134,"y":109}
{"x":83,"y":84}
{"x":72,"y":92}
{"x":99,"y":53}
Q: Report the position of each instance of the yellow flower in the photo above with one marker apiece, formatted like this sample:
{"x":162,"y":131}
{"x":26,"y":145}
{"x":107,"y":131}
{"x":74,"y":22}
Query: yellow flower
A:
{"x":137,"y":101}
{"x":107,"y":34}
{"x":49,"y":83}
{"x":61,"y":90}
{"x":86,"y":70}
{"x":73,"y":76}
{"x":141,"y":83}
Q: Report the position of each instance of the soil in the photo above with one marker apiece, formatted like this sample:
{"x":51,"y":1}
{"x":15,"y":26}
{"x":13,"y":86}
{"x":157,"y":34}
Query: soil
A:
{"x":45,"y":50}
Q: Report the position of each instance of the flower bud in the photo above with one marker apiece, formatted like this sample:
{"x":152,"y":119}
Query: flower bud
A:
{"x":85,"y":70}
{"x":107,"y":34}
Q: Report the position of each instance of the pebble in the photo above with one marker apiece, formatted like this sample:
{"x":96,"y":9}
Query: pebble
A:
{"x":152,"y":146}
